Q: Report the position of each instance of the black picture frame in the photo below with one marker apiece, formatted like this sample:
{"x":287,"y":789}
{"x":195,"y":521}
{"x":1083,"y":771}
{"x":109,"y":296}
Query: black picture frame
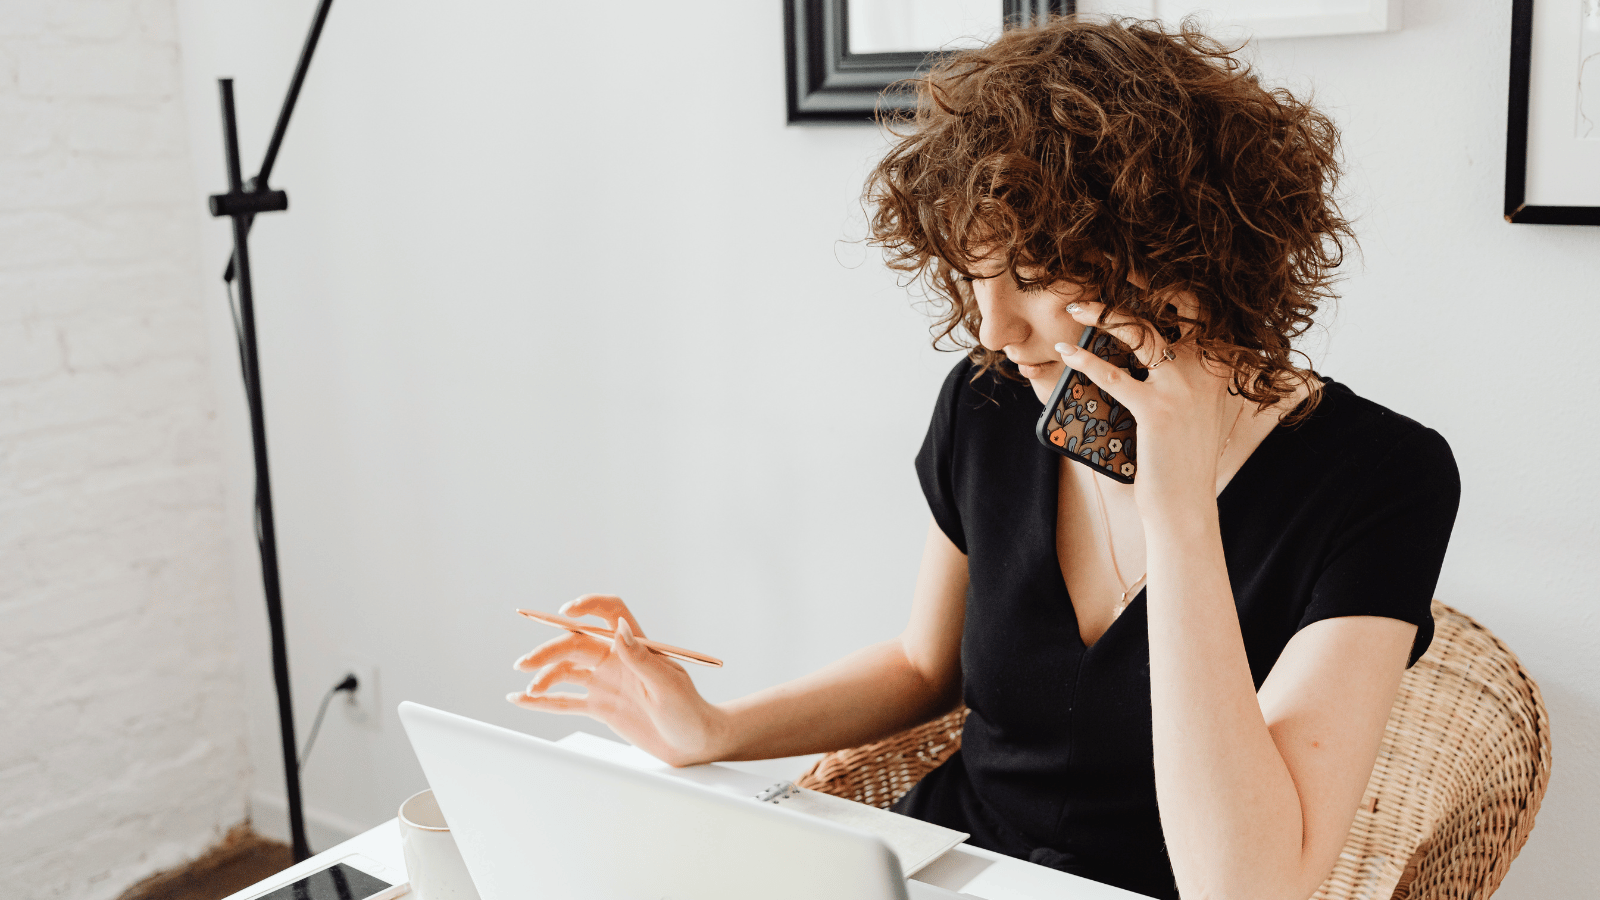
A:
{"x":1517,"y":210}
{"x":829,"y":84}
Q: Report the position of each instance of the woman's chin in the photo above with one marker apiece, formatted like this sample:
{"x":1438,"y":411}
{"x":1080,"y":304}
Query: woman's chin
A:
{"x":1042,"y":388}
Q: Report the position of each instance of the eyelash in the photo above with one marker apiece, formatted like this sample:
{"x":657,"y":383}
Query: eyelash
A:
{"x":1032,"y":288}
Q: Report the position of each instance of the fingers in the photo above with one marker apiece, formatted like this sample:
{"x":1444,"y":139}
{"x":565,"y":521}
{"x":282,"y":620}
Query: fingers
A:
{"x":1140,"y":336}
{"x":577,"y":648}
{"x":566,"y":704}
{"x":639,"y":660}
{"x":1114,"y":380}
{"x":537,"y":697}
{"x":605,"y":606}
{"x":565,"y":671}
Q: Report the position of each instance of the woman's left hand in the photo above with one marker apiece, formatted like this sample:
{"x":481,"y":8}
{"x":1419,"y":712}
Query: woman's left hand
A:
{"x":1183,"y":410}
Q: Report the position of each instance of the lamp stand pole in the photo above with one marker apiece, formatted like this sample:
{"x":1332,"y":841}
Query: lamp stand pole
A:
{"x":241,"y":203}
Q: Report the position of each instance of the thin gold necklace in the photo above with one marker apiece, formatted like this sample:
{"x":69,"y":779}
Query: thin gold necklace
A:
{"x":1111,"y":545}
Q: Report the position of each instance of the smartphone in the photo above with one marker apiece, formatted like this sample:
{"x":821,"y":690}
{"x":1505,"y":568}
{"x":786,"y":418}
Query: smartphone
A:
{"x":340,"y":881}
{"x":1087,"y":425}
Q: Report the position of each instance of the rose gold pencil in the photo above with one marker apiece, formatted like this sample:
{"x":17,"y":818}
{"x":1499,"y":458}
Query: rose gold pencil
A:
{"x":606,"y":635}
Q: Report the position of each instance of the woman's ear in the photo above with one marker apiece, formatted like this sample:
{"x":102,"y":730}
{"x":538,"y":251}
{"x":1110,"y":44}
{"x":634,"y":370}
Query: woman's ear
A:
{"x":1184,"y":308}
{"x":1185,"y":304}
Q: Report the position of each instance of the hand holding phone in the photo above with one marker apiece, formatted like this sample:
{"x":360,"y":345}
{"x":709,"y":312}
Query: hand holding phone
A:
{"x":1087,"y":425}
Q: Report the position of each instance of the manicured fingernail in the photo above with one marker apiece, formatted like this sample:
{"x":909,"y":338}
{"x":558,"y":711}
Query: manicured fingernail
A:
{"x":512,"y":698}
{"x":1066,"y":349}
{"x":1074,"y":308}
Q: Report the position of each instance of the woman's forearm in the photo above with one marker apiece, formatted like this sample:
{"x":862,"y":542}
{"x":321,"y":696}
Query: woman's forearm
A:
{"x":864,"y":697}
{"x":1229,"y":809}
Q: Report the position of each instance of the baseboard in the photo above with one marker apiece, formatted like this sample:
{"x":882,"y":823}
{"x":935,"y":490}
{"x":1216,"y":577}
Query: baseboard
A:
{"x":269,"y":816}
{"x":239,"y":860}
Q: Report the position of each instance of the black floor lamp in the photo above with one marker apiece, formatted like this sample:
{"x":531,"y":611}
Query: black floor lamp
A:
{"x":242,"y":202}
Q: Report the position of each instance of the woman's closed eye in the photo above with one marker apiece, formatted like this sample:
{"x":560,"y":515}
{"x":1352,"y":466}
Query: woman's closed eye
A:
{"x":1032,"y":287}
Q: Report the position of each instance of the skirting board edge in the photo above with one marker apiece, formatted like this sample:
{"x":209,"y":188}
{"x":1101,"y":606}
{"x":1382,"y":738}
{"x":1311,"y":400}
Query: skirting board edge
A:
{"x":269,"y":816}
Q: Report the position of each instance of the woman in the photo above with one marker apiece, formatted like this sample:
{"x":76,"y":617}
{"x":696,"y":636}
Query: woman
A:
{"x":1211,"y":733}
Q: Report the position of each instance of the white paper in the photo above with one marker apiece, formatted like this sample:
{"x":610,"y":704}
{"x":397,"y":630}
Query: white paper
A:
{"x":914,"y":841}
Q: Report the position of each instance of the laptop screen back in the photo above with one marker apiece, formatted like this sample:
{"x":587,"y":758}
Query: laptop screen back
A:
{"x":533,"y":819}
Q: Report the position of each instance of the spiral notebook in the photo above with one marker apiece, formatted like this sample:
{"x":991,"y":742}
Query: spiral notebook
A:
{"x":915,"y":842}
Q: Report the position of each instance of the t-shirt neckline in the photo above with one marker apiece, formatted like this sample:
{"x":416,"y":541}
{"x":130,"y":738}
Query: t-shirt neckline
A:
{"x":1250,"y":465}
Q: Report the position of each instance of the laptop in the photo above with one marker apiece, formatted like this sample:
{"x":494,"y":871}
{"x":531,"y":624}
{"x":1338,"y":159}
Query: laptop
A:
{"x":533,"y":818}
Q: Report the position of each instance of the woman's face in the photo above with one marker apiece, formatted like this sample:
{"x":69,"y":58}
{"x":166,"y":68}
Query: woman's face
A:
{"x":1026,"y":323}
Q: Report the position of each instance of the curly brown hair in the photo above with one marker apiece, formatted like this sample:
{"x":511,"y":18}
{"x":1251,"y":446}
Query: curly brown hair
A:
{"x":1092,"y":149}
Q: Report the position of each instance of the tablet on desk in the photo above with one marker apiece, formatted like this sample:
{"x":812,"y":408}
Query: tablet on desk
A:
{"x":351,"y":878}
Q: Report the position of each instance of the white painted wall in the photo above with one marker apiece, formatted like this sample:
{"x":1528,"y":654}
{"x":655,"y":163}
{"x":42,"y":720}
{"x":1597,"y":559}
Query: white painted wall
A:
{"x":1479,"y":328}
{"x":518,"y":327}
{"x":122,"y":748}
{"x":562,"y":305}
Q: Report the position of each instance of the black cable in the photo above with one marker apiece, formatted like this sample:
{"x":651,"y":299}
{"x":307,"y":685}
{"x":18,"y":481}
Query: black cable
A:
{"x":348,"y":684}
{"x":238,"y":331}
{"x":249,"y":396}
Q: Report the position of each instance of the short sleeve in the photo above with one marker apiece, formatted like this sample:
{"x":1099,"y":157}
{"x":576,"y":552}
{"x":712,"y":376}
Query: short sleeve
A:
{"x":1386,"y":553}
{"x":936,"y":462}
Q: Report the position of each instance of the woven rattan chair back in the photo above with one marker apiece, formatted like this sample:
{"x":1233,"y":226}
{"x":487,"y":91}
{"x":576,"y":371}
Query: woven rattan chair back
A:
{"x":1463,"y":767}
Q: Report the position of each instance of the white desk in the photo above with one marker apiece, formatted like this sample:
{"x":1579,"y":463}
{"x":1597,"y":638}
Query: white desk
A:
{"x":970,"y":870}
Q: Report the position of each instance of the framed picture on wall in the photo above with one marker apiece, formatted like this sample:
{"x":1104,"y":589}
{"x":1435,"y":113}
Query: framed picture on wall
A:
{"x":847,"y":58}
{"x":1264,"y":18}
{"x":1553,"y":121}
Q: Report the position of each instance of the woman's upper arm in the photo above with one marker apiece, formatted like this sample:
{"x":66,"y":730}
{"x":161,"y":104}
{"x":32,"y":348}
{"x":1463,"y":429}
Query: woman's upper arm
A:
{"x":1329,"y":695}
{"x":932,"y":637}
{"x":1326,"y":702}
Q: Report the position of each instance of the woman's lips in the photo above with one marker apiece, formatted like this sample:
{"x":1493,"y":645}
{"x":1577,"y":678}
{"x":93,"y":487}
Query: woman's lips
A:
{"x":1034,"y":371}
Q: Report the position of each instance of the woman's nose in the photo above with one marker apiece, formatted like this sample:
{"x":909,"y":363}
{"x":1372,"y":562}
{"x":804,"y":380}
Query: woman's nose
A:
{"x":999,"y":326}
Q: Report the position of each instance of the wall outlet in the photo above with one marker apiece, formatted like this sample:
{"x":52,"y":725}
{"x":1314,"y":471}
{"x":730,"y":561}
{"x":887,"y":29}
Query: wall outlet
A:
{"x":362,"y":705}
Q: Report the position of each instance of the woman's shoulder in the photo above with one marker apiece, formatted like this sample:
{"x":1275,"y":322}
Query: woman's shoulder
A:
{"x":981,"y":422}
{"x":1341,"y":405}
{"x":970,"y":387}
{"x":1356,"y":436}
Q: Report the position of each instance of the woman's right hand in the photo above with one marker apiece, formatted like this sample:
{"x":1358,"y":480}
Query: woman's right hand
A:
{"x":644,"y":696}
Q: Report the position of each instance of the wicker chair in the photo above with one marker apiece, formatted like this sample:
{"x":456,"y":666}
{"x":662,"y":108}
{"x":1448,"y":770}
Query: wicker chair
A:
{"x":1463,"y":767}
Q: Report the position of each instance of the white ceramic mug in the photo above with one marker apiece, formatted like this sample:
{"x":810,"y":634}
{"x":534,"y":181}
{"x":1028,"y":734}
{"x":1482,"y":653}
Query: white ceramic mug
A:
{"x":433,"y":864}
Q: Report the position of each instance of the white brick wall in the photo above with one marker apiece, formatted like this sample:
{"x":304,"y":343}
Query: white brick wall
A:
{"x":122,"y":749}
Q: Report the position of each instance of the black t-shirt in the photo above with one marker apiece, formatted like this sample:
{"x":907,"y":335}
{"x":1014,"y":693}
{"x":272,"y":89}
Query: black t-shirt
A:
{"x":1346,"y":513}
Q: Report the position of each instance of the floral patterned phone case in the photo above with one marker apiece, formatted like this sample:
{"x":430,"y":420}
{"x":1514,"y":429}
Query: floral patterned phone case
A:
{"x":1087,"y":425}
